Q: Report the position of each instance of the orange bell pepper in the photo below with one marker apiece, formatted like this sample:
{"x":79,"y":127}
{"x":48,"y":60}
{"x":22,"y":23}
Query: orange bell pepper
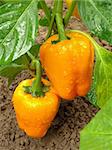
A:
{"x":69,"y":64}
{"x":34,"y":114}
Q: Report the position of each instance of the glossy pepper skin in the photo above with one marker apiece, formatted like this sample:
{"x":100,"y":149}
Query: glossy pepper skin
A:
{"x":69,"y":64}
{"x":76,"y":12}
{"x":34,"y":114}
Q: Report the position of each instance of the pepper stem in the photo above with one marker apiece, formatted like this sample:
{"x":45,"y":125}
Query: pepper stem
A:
{"x":59,"y":20}
{"x":52,"y":20}
{"x":69,"y":12}
{"x":46,"y":10}
{"x":36,"y":88}
{"x":37,"y":85}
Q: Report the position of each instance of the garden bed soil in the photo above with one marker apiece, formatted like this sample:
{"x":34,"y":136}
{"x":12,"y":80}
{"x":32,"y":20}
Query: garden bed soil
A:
{"x":64,"y":133}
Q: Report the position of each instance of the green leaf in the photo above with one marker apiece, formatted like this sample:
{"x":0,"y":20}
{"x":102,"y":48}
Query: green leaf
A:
{"x":97,"y":135}
{"x":101,"y":90}
{"x":103,"y":76}
{"x":10,"y":71}
{"x":39,"y":5}
{"x":97,"y":16}
{"x":35,"y":50}
{"x":18,"y":28}
{"x":1,"y":2}
{"x":43,"y":22}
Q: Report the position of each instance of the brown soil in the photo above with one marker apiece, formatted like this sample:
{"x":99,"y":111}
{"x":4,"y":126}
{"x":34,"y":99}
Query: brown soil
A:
{"x":65,"y":130}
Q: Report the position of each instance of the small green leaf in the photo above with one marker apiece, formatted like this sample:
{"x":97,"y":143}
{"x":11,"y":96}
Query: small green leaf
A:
{"x":23,"y":60}
{"x":97,"y":135}
{"x":35,"y":50}
{"x":10,"y":71}
{"x":18,"y":28}
{"x":43,"y":22}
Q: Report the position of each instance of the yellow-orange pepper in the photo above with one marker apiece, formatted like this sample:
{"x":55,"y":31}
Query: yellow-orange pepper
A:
{"x":34,"y":114}
{"x":69,"y":64}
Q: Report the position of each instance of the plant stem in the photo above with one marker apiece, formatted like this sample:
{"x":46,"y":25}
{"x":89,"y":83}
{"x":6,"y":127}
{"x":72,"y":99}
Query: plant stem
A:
{"x":37,"y":85}
{"x":69,"y":12}
{"x":52,"y":20}
{"x":46,"y":10}
{"x":50,"y":27}
{"x":59,"y":20}
{"x":31,"y":56}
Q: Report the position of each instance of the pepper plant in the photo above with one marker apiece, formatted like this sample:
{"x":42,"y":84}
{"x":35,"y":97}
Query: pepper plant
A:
{"x":19,"y":24}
